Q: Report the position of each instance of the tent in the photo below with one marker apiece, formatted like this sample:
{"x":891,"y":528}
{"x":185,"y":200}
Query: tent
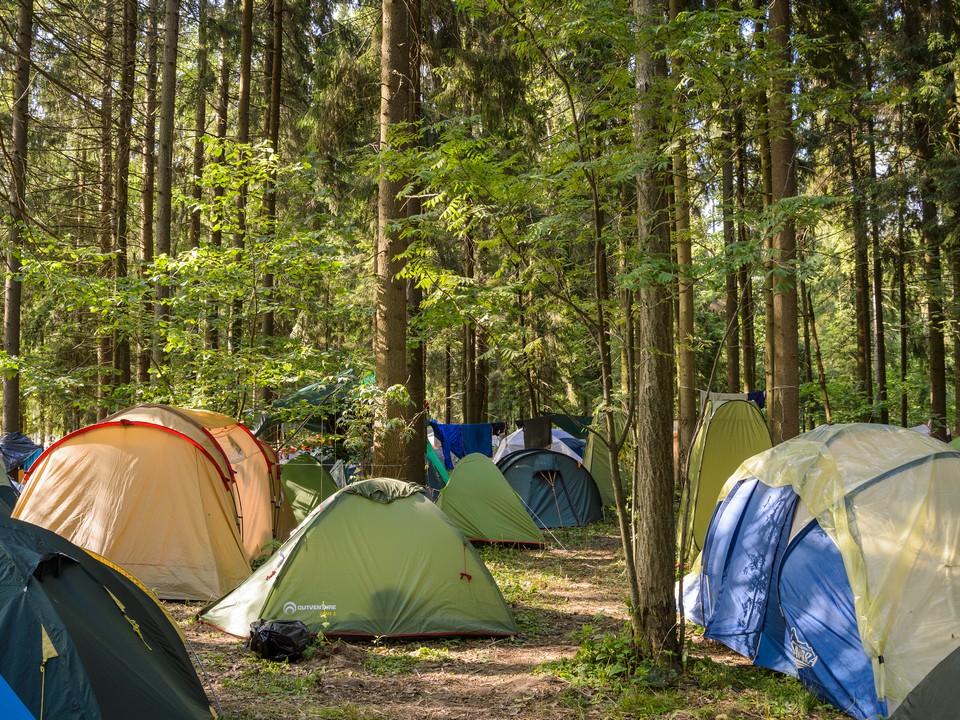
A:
{"x":563,"y":442}
{"x":84,"y":640}
{"x":832,"y":557}
{"x":556,"y":489}
{"x":729,"y":432}
{"x":8,"y":496}
{"x":183,"y":499}
{"x":378,"y":559}
{"x":307,"y":483}
{"x":484,"y":506}
{"x":17,"y":449}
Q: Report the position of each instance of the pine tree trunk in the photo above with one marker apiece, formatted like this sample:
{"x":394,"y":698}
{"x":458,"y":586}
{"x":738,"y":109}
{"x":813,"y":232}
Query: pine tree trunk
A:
{"x":105,"y":370}
{"x":390,"y":343}
{"x":654,"y":618}
{"x":168,"y":98}
{"x":785,"y":409}
{"x":148,"y":342}
{"x":128,"y":67}
{"x":200,"y":121}
{"x":16,"y":238}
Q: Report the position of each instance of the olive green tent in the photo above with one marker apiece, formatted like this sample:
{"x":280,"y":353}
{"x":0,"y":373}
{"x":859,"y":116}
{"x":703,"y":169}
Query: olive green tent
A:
{"x":481,"y":502}
{"x":306,"y":484}
{"x":378,"y":559}
{"x":730,"y":431}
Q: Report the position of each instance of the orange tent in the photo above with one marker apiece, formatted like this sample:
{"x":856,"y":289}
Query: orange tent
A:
{"x":182,"y":499}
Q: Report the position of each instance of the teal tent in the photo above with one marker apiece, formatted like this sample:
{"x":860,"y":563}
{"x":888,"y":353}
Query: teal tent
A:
{"x":555,"y":489}
{"x":481,"y":502}
{"x":378,"y":559}
{"x":306,"y":484}
{"x":84,"y":640}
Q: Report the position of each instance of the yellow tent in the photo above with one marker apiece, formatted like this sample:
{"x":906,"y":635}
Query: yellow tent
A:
{"x":182,"y":499}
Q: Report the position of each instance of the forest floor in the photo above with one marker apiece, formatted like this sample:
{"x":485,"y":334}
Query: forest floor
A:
{"x":569,"y":595}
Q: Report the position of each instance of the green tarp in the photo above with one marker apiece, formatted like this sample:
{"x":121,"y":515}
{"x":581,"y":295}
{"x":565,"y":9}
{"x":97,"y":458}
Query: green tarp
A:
{"x":306,"y":484}
{"x":378,"y":559}
{"x":481,"y":502}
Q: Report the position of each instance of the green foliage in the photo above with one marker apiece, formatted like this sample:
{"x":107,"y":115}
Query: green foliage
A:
{"x":384,"y":661}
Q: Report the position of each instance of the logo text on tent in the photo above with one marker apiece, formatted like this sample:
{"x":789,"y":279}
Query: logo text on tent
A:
{"x":803,"y":654}
{"x":290,"y":607}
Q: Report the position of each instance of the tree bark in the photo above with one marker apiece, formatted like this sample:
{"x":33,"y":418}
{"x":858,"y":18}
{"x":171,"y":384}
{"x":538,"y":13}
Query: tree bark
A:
{"x":390,"y":342}
{"x":105,"y":369}
{"x":128,"y":67}
{"x":168,"y":98}
{"x":655,"y":541}
{"x":148,"y":342}
{"x":17,"y":238}
{"x":785,"y":409}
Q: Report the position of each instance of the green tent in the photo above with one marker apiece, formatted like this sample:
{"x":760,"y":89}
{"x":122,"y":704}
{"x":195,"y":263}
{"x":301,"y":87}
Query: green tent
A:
{"x":83,"y":640}
{"x":378,"y":559}
{"x":306,"y":484}
{"x":730,"y":432}
{"x":481,"y":502}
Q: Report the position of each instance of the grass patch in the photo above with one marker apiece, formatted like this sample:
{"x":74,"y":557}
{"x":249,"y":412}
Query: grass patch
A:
{"x":266,"y":677}
{"x":386,"y":661}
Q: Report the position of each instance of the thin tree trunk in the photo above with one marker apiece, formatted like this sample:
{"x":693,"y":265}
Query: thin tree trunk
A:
{"x":686,"y":344}
{"x":105,"y":369}
{"x":148,"y":342}
{"x":200,"y":121}
{"x":861,"y":281}
{"x":744,"y":281}
{"x":212,"y":333}
{"x":469,"y":411}
{"x":128,"y":66}
{"x":821,"y":375}
{"x":16,"y":239}
{"x":879,"y":339}
{"x":729,"y":238}
{"x":168,"y":98}
{"x":243,"y":139}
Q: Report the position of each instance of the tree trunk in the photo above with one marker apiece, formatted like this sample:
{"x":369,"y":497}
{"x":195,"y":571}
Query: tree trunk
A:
{"x":861,"y":281}
{"x":744,"y":280}
{"x":729,"y":239}
{"x":470,"y":410}
{"x":655,"y":548}
{"x":785,"y":409}
{"x":879,"y":339}
{"x":212,"y":333}
{"x":148,"y":342}
{"x":200,"y":121}
{"x":686,"y":341}
{"x":128,"y":67}
{"x":17,"y":237}
{"x":105,"y":369}
{"x":168,"y":98}
{"x":390,"y":342}
{"x":243,"y":139}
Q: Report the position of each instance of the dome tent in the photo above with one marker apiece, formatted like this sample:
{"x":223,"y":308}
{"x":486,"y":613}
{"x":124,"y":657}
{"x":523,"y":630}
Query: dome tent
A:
{"x":729,"y":432}
{"x":84,"y":640}
{"x":183,"y":499}
{"x":556,"y":490}
{"x":377,"y":559}
{"x":307,"y":483}
{"x":830,"y":557}
{"x":484,"y":506}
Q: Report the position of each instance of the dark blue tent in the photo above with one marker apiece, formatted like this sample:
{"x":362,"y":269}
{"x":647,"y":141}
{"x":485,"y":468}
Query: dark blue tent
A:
{"x":83,"y":640}
{"x":556,"y":490}
{"x":17,"y":448}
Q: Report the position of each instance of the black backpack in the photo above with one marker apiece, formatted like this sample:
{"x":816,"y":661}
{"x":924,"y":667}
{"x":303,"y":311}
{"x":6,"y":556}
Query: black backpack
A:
{"x":279,"y":639}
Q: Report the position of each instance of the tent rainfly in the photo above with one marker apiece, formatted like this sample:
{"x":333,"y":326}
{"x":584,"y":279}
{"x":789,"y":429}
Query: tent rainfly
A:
{"x":555,"y":489}
{"x":831,"y":557}
{"x":729,"y":433}
{"x":183,"y":499}
{"x":481,"y":502}
{"x":90,"y":642}
{"x":307,"y":483}
{"x":377,"y":559}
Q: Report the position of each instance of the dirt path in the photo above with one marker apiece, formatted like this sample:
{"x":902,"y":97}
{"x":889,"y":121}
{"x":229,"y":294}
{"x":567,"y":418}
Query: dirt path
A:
{"x":555,"y":592}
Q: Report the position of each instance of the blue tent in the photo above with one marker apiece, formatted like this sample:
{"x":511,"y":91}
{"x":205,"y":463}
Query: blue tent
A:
{"x":828,"y":558}
{"x":555,"y":489}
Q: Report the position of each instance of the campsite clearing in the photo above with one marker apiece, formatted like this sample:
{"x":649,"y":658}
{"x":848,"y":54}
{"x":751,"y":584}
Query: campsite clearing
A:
{"x":575,"y":582}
